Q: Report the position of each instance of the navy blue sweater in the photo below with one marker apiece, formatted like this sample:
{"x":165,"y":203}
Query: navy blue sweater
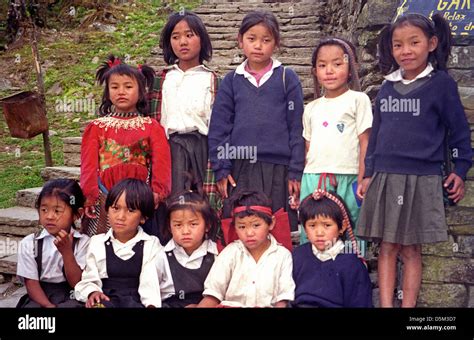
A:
{"x":267,"y":118}
{"x":408,"y":131}
{"x":343,"y":282}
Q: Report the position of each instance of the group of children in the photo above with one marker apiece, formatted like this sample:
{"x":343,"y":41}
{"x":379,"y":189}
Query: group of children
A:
{"x":147,"y":176}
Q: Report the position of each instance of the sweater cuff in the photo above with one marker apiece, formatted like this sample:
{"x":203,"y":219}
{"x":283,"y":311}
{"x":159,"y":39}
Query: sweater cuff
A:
{"x":461,"y":168}
{"x":222,"y":173}
{"x":368,"y":172}
{"x":295,"y":175}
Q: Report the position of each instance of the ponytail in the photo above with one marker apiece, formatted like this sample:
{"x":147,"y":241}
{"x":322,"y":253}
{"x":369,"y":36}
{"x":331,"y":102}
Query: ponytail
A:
{"x":445,"y":41}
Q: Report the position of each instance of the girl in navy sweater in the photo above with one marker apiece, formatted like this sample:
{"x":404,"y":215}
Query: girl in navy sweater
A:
{"x":417,"y":108}
{"x":255,"y":133}
{"x":325,"y":273}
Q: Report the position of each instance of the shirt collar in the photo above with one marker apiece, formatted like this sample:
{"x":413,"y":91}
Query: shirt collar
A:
{"x":273,"y":245}
{"x":329,"y":254}
{"x":206,"y":247}
{"x":141,"y":235}
{"x":241,"y":68}
{"x":44,"y":233}
{"x":398,"y":75}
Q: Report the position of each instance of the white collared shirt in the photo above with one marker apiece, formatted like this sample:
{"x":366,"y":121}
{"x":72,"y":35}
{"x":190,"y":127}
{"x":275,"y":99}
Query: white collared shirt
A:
{"x":241,"y":70}
{"x":398,"y":75}
{"x":192,"y":261}
{"x":329,"y":254}
{"x":187,"y":98}
{"x":236,"y":279}
{"x":52,"y":260}
{"x":96,"y":266}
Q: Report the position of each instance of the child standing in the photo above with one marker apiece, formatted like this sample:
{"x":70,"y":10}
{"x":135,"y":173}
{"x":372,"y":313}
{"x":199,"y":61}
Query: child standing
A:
{"x":403,"y":204}
{"x":336,"y":126}
{"x":121,"y":264}
{"x":187,"y":94}
{"x":326,"y":276}
{"x":124,"y":143}
{"x":256,"y":124}
{"x":50,"y":262}
{"x":191,"y":252}
{"x":253,"y":271}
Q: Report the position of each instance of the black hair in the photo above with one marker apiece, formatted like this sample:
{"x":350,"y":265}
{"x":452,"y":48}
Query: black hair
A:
{"x":349,"y":49}
{"x":144,"y":75}
{"x":65,"y":189}
{"x":197,"y":202}
{"x":196,"y":25}
{"x":138,"y":196}
{"x":265,"y":18}
{"x":247,"y":198}
{"x":311,"y":208}
{"x":437,"y":26}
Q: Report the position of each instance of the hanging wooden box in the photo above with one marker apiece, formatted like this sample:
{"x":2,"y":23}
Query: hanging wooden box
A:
{"x":25,"y":115}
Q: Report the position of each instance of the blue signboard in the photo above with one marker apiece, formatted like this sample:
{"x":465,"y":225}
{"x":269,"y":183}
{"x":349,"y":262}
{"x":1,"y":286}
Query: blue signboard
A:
{"x":458,"y":13}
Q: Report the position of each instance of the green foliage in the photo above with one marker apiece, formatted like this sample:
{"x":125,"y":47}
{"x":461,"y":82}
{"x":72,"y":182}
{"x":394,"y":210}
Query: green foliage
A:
{"x":72,"y":55}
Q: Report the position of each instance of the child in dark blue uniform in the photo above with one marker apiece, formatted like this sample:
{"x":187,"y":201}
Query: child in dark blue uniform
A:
{"x":120,"y":267}
{"x":326,"y":276}
{"x":191,"y":251}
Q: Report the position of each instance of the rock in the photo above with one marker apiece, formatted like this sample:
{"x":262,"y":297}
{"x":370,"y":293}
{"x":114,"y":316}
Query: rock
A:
{"x":449,"y":248}
{"x":72,"y":140}
{"x":466,"y":245}
{"x":104,"y":28}
{"x":52,"y":133}
{"x":468,"y":200}
{"x":462,"y":57}
{"x":442,"y":295}
{"x":72,"y":159}
{"x":445,"y":269}
{"x":470,"y":304}
{"x":467,"y":96}
{"x":377,"y":12}
{"x":55,"y":172}
{"x":8,"y":264}
{"x":463,"y":77}
{"x":95,"y":60}
{"x":459,"y":216}
{"x":2,"y":279}
{"x":5,"y":84}
{"x":55,"y":90}
{"x":9,"y":245}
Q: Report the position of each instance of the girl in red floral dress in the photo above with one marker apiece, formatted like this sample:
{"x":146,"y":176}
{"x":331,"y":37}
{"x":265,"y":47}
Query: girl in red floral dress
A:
{"x":123,"y":143}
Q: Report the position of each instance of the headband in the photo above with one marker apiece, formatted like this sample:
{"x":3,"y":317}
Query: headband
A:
{"x":259,"y":208}
{"x":319,"y":194}
{"x":352,"y":59}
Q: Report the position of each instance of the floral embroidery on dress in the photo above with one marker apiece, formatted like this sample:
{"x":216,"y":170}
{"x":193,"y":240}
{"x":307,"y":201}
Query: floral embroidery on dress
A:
{"x":111,"y":153}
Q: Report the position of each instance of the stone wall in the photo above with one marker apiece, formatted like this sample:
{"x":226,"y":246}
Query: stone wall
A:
{"x":448,"y":268}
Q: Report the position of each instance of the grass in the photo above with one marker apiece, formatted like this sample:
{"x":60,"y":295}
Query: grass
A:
{"x":71,"y":54}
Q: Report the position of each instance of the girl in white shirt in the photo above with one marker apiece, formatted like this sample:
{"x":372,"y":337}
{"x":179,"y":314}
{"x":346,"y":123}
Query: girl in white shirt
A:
{"x":120,"y":266}
{"x":188,"y":90}
{"x":50,"y":261}
{"x":254,"y":271}
{"x":190,"y":254}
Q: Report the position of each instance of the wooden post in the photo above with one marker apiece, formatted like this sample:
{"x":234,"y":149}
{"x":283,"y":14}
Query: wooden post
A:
{"x":39,"y":76}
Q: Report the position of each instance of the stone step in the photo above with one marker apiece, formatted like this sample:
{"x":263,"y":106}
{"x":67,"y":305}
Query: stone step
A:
{"x":8,"y":264}
{"x":18,"y":221}
{"x":72,"y":151}
{"x":56,"y":172}
{"x":27,"y":197}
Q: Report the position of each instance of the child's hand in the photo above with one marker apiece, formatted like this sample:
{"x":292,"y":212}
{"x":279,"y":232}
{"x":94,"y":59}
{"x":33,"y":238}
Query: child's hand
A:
{"x":156,"y":199}
{"x":96,"y":297}
{"x":362,"y":187}
{"x":63,"y":242}
{"x":222,"y":185}
{"x":294,"y":188}
{"x":457,"y":191}
{"x":90,"y":212}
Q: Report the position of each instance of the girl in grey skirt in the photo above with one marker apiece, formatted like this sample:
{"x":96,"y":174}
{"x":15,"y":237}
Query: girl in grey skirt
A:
{"x":416,"y":106}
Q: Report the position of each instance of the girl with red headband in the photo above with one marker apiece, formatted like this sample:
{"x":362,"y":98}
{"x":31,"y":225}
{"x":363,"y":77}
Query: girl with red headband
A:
{"x":326,"y":272}
{"x":254,"y":271}
{"x":123,"y":143}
